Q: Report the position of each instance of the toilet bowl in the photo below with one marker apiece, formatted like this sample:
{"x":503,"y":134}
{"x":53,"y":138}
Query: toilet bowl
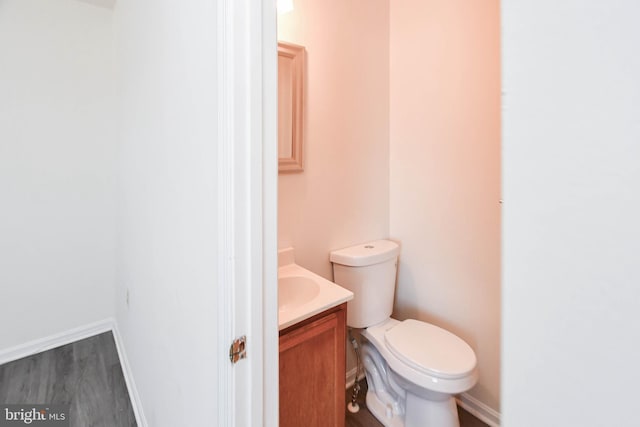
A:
{"x":417,"y":367}
{"x":413,"y":368}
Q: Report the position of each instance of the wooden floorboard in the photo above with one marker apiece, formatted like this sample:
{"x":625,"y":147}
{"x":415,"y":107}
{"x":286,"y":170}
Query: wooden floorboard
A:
{"x":85,"y":375}
{"x":364,"y":418}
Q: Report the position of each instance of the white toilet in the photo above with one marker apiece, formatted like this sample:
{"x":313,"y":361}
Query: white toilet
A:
{"x":413,"y":368}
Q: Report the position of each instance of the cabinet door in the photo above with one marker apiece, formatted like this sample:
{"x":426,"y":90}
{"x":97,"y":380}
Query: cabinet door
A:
{"x":312,"y":373}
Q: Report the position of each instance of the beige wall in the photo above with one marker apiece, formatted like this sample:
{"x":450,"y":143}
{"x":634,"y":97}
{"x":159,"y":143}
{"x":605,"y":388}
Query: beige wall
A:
{"x":445,"y":171}
{"x":342,"y":197}
{"x":412,"y":153}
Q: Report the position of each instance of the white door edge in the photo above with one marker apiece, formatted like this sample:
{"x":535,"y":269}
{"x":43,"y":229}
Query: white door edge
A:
{"x":269,"y":412}
{"x":247,"y":222}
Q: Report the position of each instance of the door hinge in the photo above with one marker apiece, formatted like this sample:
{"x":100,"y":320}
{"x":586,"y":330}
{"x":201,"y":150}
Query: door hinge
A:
{"x":238,"y":349}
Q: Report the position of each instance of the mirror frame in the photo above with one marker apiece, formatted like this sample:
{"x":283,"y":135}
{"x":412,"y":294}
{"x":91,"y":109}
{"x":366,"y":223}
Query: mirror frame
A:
{"x":297,"y":55}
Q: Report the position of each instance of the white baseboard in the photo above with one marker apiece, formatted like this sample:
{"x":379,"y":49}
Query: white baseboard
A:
{"x":479,"y":410}
{"x":67,"y":337}
{"x":128,"y":378}
{"x":47,"y":343}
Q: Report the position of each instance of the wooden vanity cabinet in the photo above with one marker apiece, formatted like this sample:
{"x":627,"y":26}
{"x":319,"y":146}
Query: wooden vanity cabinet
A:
{"x":312,"y":371}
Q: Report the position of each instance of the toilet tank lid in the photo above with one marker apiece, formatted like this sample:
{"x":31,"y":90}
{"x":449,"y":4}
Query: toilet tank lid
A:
{"x":366,"y":253}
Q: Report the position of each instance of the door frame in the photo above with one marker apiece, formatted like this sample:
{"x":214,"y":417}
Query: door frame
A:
{"x":247,"y":197}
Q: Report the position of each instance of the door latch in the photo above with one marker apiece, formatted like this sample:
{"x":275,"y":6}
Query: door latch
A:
{"x":238,"y":349}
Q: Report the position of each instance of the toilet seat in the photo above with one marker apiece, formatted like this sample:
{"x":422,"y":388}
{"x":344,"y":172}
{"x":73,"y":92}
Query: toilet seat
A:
{"x":413,"y":368}
{"x":430,"y":349}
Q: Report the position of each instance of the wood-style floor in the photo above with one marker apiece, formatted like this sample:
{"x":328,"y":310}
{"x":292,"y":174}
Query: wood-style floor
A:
{"x":364,"y":418}
{"x":85,"y":375}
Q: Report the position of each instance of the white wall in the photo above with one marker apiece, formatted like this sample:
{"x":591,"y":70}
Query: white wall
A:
{"x":445,"y":172}
{"x":57,"y":168}
{"x":168,"y":211}
{"x":572,"y":202}
{"x":342,"y":197}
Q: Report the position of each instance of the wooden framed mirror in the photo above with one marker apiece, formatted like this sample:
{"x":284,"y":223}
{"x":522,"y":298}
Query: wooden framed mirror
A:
{"x":291,"y":75}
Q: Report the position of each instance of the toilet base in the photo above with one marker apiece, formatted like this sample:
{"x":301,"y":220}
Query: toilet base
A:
{"x":419,"y":413}
{"x":426,"y":413}
{"x":382,"y":412}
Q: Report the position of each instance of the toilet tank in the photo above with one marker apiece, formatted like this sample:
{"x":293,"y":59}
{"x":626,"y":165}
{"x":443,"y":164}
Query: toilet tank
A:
{"x":369,"y":271}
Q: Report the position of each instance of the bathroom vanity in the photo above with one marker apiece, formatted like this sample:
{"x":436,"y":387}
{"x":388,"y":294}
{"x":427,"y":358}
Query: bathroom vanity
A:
{"x":312,"y":370}
{"x":312,"y":313}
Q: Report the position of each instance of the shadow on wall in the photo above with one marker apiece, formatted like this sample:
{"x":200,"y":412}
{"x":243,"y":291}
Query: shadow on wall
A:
{"x":409,"y":308}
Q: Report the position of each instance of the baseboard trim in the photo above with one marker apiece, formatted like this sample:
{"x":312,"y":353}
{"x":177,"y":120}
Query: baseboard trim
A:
{"x":479,"y":410}
{"x":76,"y":334}
{"x":56,"y":340}
{"x":128,"y":378}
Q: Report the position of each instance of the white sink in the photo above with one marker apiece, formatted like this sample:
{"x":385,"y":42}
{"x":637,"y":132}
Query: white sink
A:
{"x":294,"y":291}
{"x":302,"y":293}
